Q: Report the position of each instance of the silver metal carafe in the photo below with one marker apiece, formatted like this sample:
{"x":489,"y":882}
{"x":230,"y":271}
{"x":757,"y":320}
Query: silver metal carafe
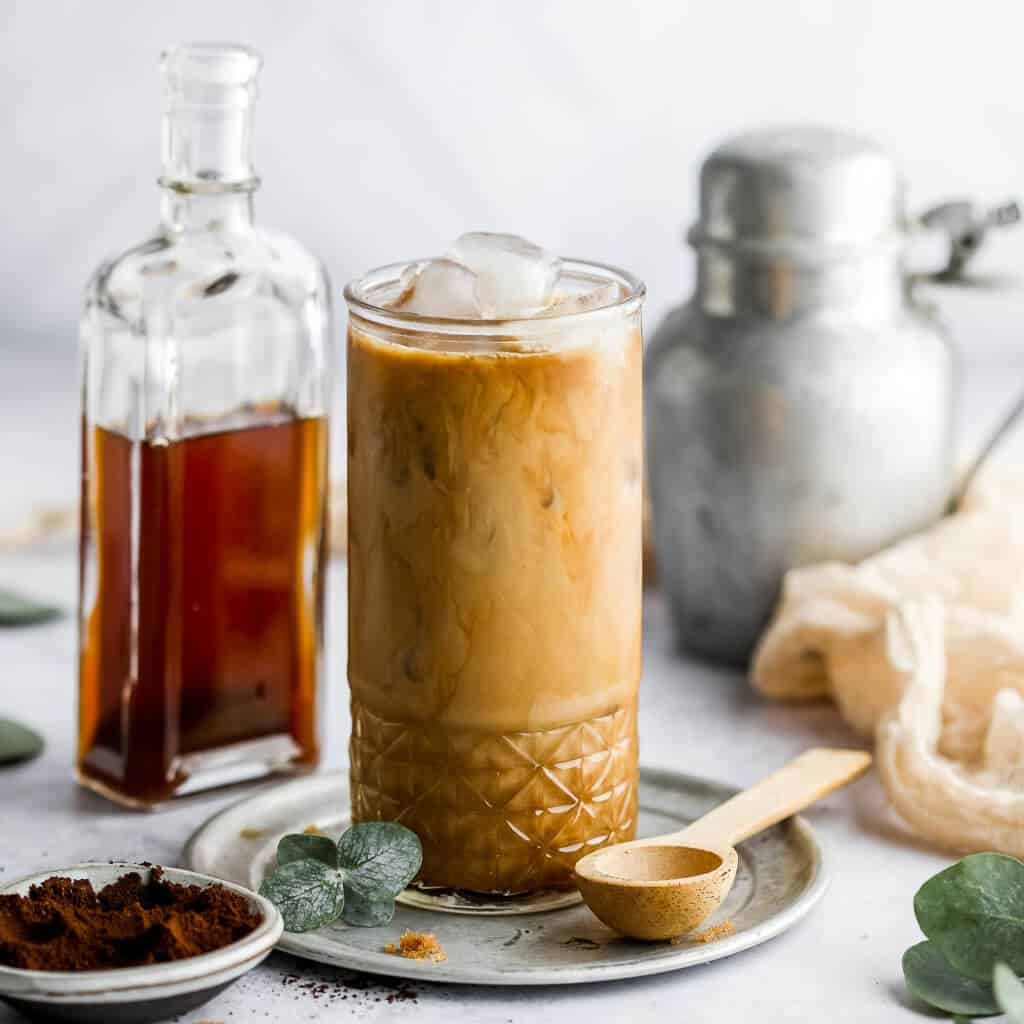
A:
{"x":802,"y":406}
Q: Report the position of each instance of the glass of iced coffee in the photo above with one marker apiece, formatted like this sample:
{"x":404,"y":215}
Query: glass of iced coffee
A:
{"x":494,"y":486}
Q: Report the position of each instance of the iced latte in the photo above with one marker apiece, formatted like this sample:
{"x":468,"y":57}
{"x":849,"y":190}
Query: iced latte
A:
{"x":494,"y":438}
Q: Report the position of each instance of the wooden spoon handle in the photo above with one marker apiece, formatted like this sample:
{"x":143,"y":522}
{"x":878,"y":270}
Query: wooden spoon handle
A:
{"x":809,"y":777}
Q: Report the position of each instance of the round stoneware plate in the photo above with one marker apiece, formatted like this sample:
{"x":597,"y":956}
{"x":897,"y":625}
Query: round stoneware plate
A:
{"x":780,"y":878}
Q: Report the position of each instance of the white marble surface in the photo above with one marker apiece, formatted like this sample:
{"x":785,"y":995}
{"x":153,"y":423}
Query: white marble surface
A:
{"x":845,"y":957}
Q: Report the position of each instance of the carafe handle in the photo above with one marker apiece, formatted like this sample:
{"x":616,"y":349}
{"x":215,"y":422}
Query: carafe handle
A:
{"x":965,"y":225}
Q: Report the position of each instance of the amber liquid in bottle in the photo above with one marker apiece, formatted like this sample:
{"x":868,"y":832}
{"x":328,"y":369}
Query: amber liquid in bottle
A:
{"x":202,"y":576}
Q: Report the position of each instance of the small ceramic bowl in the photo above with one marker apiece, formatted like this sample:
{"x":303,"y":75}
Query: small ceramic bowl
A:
{"x":135,"y":995}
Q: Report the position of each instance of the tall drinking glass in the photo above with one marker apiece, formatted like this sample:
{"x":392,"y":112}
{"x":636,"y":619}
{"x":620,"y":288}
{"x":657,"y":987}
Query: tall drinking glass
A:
{"x":495,"y":580}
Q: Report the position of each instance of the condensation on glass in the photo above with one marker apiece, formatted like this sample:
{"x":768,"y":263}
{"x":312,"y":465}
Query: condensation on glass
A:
{"x":206,"y":383}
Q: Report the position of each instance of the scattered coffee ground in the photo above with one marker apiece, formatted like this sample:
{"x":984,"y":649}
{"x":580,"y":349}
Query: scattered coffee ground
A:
{"x":65,"y":925}
{"x":418,"y":946}
{"x":359,"y":991}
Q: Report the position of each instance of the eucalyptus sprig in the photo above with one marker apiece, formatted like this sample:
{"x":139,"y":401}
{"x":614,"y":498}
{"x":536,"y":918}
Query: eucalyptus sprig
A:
{"x":973,"y":917}
{"x":18,"y":610}
{"x":356,"y":879}
{"x":18,"y":742}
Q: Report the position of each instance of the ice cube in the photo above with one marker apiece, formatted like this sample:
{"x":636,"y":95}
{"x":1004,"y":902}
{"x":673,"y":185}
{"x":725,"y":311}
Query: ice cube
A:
{"x":441,"y":288}
{"x":603,"y":295}
{"x":406,"y":286}
{"x":514,"y":277}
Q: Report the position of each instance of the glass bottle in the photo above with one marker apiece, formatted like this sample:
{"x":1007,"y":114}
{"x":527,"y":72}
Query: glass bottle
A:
{"x":206,"y":359}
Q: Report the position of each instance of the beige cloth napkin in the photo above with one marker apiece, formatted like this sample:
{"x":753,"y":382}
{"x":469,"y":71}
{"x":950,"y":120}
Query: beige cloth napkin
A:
{"x":922,"y":646}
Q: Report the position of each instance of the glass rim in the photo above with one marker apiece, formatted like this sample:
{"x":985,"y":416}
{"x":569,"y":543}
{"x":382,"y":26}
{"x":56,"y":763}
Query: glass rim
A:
{"x":635,"y":292}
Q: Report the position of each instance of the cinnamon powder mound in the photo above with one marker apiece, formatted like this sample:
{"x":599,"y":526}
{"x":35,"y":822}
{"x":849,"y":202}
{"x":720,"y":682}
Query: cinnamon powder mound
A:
{"x":418,"y":946}
{"x":63,"y":924}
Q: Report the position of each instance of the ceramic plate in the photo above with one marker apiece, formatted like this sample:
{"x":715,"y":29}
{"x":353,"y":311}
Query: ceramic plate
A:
{"x":780,"y":878}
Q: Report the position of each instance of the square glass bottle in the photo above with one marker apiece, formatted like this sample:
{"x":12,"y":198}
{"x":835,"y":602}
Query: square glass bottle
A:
{"x":206,"y":360}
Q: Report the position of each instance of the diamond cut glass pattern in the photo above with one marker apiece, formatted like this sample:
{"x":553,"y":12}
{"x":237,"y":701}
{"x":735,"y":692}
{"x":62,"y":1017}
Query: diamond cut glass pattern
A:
{"x":513,"y":811}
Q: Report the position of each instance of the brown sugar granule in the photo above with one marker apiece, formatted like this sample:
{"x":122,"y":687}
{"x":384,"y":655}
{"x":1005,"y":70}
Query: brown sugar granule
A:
{"x":418,"y":946}
{"x":63,"y":924}
{"x":712,"y":934}
{"x":249,"y":833}
{"x":313,"y":830}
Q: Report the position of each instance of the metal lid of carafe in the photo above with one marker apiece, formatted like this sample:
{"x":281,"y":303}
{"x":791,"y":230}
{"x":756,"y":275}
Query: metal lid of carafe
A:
{"x":798,"y":190}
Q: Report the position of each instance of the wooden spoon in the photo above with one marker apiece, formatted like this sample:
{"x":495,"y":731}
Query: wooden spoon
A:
{"x":664,"y":886}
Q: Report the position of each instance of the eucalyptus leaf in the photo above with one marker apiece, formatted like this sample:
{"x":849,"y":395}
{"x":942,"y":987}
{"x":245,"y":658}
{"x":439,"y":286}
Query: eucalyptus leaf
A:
{"x":18,"y":742}
{"x":1009,"y":993}
{"x":318,"y":881}
{"x":974,"y":914}
{"x":365,"y":913}
{"x":299,"y":846}
{"x":930,"y":977}
{"x":308,"y":893}
{"x":17,"y":610}
{"x":380,"y":858}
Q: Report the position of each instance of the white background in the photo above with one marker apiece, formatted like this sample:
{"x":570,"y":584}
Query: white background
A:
{"x":387,"y":127}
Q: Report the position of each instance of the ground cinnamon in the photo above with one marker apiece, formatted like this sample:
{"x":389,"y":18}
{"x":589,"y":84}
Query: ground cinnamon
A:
{"x":418,"y":946}
{"x":63,"y":924}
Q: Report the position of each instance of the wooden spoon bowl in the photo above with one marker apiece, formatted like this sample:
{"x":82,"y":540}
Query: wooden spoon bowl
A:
{"x":665,"y":886}
{"x":671,"y":889}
